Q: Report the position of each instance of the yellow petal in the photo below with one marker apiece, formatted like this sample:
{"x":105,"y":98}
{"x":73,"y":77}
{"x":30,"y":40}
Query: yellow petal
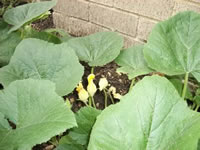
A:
{"x":91,"y":88}
{"x":79,"y":87}
{"x":90,"y":77}
{"x":112,"y":89}
{"x":103,"y":83}
{"x":117,"y":96}
{"x":83,"y":95}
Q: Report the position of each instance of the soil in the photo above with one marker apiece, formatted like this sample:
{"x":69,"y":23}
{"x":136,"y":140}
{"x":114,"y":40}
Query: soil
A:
{"x":119,"y":81}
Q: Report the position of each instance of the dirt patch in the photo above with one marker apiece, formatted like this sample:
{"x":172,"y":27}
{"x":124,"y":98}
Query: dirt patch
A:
{"x":119,"y":81}
{"x":44,"y":24}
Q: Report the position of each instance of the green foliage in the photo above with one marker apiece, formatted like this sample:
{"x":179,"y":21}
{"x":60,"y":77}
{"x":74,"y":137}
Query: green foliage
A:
{"x":29,"y":32}
{"x":132,"y":62}
{"x":37,"y":112}
{"x":173,"y":46}
{"x":179,"y":87}
{"x":152,"y":116}
{"x":34,"y":58}
{"x":8,"y":42}
{"x":7,"y":4}
{"x":97,"y":49}
{"x":79,"y":136}
{"x":64,"y":37}
{"x":28,"y":13}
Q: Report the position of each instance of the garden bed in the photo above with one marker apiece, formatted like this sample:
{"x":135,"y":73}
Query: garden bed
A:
{"x":80,"y":93}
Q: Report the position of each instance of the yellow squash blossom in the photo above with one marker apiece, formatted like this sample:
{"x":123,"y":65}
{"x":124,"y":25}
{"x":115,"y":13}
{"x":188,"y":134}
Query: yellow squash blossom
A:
{"x":82,"y":93}
{"x":103,"y":83}
{"x":91,"y":88}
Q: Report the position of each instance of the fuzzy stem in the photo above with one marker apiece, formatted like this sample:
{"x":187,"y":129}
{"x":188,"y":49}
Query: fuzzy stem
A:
{"x":193,"y":106}
{"x":92,"y":70}
{"x":196,"y":109}
{"x":111,"y":98}
{"x":131,"y":85}
{"x":106,"y":98}
{"x":90,"y":101}
{"x":93,"y":102}
{"x":185,"y":85}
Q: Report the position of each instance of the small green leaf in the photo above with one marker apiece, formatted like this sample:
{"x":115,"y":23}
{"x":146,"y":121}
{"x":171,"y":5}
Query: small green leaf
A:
{"x":132,"y":62}
{"x":20,"y":15}
{"x":173,"y":46}
{"x":97,"y":49}
{"x":39,"y":59}
{"x":152,"y":116}
{"x":8,"y":43}
{"x":197,"y":97}
{"x":85,"y":118}
{"x":67,"y":143}
{"x":37,"y":112}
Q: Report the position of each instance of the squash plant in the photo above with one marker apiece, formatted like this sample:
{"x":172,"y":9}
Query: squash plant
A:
{"x":33,"y":64}
{"x":16,"y":25}
{"x":173,"y":46}
{"x":39,"y":68}
{"x":153,"y":115}
{"x":97,"y":50}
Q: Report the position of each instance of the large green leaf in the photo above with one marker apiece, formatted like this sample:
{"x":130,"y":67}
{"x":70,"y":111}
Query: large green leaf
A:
{"x":132,"y":62}
{"x":151,"y":117}
{"x":97,"y":49}
{"x":173,"y":46}
{"x":37,"y":112}
{"x":79,"y":136}
{"x":8,"y":43}
{"x":20,"y":15}
{"x":39,"y":59}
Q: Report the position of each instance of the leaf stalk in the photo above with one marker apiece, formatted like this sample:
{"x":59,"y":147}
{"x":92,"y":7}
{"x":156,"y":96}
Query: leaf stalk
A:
{"x":185,"y":85}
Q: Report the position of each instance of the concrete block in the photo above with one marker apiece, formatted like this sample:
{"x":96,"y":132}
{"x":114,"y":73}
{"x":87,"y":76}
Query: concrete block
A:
{"x":104,"y":2}
{"x":157,"y":9}
{"x":74,"y":8}
{"x":183,"y":6}
{"x":113,"y":19}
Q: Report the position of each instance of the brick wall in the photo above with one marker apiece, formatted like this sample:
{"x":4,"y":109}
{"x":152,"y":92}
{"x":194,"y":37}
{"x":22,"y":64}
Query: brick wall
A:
{"x":133,"y":19}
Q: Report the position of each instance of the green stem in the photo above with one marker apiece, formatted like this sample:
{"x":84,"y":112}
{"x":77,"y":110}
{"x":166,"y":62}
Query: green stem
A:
{"x":185,"y":85}
{"x":196,"y":109}
{"x":193,"y":106}
{"x":93,"y":102}
{"x":92,"y":70}
{"x":132,"y":83}
{"x":90,"y":101}
{"x":111,"y":98}
{"x":106,"y":98}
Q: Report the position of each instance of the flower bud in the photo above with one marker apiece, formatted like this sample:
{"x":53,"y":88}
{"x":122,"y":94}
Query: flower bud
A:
{"x":91,"y":88}
{"x":103,"y":83}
